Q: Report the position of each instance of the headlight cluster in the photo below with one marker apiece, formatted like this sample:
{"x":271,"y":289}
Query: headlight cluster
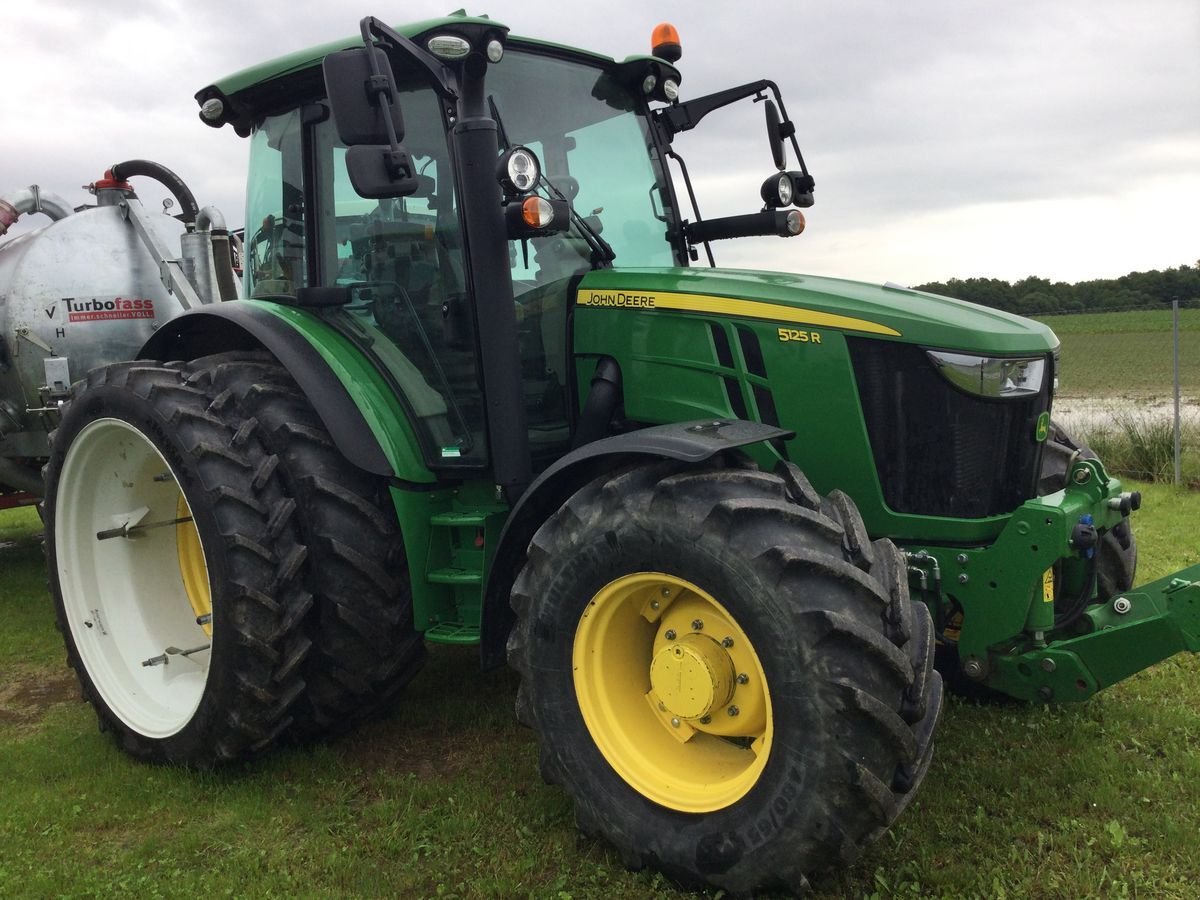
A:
{"x":518,"y":171}
{"x":991,"y":376}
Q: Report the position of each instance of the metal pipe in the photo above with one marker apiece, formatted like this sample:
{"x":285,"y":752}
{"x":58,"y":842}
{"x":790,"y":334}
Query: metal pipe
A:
{"x":32,"y":199}
{"x":211,"y":220}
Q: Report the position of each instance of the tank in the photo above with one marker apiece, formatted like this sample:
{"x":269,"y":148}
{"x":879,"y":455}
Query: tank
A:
{"x":85,"y":290}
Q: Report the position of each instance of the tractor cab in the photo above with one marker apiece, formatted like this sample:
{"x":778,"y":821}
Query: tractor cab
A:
{"x":578,"y":180}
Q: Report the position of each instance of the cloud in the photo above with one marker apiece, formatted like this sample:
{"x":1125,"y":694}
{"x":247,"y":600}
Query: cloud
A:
{"x":942,"y":117}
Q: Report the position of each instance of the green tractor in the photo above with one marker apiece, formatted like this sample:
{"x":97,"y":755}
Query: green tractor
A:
{"x":721,"y":522}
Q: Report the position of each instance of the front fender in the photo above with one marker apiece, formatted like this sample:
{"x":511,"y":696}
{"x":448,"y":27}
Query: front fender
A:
{"x":692,"y":442}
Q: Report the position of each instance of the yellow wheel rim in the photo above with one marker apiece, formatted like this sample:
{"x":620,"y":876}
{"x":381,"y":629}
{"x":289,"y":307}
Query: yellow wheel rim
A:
{"x":192,"y":567}
{"x":672,"y":692}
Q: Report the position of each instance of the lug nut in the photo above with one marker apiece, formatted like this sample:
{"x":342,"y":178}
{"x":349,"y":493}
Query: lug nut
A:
{"x":654,"y":604}
{"x":697,"y":624}
{"x":666,"y":592}
{"x":705,"y":720}
{"x":727,"y":643}
{"x":670,"y":635}
{"x":674,"y":723}
{"x":733,"y":710}
{"x":1122,"y":605}
{"x":962,"y":559}
{"x":964,"y":578}
{"x":743,"y":678}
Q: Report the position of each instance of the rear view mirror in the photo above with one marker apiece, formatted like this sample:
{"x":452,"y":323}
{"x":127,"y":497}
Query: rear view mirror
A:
{"x":775,"y":135}
{"x":377,"y":171}
{"x":366,"y":110}
{"x":363,"y":97}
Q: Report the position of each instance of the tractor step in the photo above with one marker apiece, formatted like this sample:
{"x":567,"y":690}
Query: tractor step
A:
{"x":456,"y":576}
{"x":461,"y":534}
{"x":453,"y":633}
{"x":459,"y":518}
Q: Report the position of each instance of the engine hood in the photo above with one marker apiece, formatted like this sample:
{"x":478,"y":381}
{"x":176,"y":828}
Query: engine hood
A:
{"x":888,"y":312}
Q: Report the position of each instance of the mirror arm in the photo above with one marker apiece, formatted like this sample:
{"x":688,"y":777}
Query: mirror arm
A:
{"x":686,"y":116}
{"x":438,"y":75}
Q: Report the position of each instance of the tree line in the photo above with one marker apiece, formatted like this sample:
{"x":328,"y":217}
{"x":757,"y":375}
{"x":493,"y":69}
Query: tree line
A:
{"x":1034,"y":296}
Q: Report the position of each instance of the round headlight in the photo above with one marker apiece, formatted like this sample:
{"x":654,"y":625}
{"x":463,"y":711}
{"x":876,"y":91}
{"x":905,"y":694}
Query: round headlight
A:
{"x":777,"y":190}
{"x":212,"y":109}
{"x":649,"y":83}
{"x":495,"y":51}
{"x":518,"y":170}
{"x":671,"y":90}
{"x":785,"y":190}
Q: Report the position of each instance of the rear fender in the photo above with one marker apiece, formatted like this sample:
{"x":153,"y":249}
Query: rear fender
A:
{"x":361,"y":413}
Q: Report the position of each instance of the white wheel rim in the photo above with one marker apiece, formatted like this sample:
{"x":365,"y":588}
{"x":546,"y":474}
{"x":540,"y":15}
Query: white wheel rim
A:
{"x":124,"y":597}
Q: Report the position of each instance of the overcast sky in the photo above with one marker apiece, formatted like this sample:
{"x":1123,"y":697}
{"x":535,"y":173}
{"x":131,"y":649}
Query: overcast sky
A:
{"x":947,"y":137}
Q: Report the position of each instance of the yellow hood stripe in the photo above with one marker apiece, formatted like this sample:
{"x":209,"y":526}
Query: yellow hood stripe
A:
{"x":727,"y":306}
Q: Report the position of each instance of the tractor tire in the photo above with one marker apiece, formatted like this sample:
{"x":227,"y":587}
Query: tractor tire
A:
{"x":174,"y":564}
{"x":725,"y":674}
{"x":1116,"y":555}
{"x":364,"y":646}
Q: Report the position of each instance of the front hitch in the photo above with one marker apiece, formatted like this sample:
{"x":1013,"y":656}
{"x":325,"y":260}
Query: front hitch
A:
{"x":1127,"y":634}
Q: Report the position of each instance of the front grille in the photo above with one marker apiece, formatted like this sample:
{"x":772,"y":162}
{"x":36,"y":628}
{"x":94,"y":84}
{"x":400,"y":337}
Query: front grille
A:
{"x":940,"y":451}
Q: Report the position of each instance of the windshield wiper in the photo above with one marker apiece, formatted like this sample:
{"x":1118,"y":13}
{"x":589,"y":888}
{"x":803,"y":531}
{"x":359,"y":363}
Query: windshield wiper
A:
{"x":602,"y":251}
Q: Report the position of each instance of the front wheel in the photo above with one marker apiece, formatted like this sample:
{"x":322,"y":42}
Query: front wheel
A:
{"x":174,"y":564}
{"x":725,"y":674}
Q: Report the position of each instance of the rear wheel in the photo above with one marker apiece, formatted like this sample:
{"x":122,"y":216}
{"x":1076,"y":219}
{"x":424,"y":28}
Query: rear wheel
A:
{"x":174,"y":566}
{"x":365,"y":648}
{"x":725,"y":674}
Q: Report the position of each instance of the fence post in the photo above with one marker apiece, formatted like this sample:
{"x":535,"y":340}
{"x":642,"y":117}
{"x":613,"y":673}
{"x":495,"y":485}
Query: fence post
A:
{"x":1178,"y":447}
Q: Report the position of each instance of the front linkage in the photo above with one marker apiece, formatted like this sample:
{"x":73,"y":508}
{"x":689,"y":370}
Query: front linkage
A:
{"x":1051,"y":636}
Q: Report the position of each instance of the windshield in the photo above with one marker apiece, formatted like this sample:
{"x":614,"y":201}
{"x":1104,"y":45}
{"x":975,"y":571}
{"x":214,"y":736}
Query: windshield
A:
{"x":595,"y":148}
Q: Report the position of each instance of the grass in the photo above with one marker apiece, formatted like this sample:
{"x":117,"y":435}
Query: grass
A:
{"x":1144,"y":447}
{"x":1127,"y":355}
{"x":443,"y":799}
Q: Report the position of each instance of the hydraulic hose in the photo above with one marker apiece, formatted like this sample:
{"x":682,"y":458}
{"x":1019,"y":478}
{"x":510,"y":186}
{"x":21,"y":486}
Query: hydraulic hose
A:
{"x":160,"y":173}
{"x":1073,"y":614}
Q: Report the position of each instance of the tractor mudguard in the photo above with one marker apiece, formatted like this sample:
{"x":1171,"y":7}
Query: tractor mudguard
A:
{"x":345,"y":396}
{"x":691,"y":442}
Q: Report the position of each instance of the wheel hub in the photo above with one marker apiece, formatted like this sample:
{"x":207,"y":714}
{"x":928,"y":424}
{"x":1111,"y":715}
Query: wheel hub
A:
{"x":692,"y":676}
{"x":683,"y":717}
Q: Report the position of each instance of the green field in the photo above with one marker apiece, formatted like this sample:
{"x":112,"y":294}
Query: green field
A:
{"x":1127,"y":355}
{"x":443,"y":799}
